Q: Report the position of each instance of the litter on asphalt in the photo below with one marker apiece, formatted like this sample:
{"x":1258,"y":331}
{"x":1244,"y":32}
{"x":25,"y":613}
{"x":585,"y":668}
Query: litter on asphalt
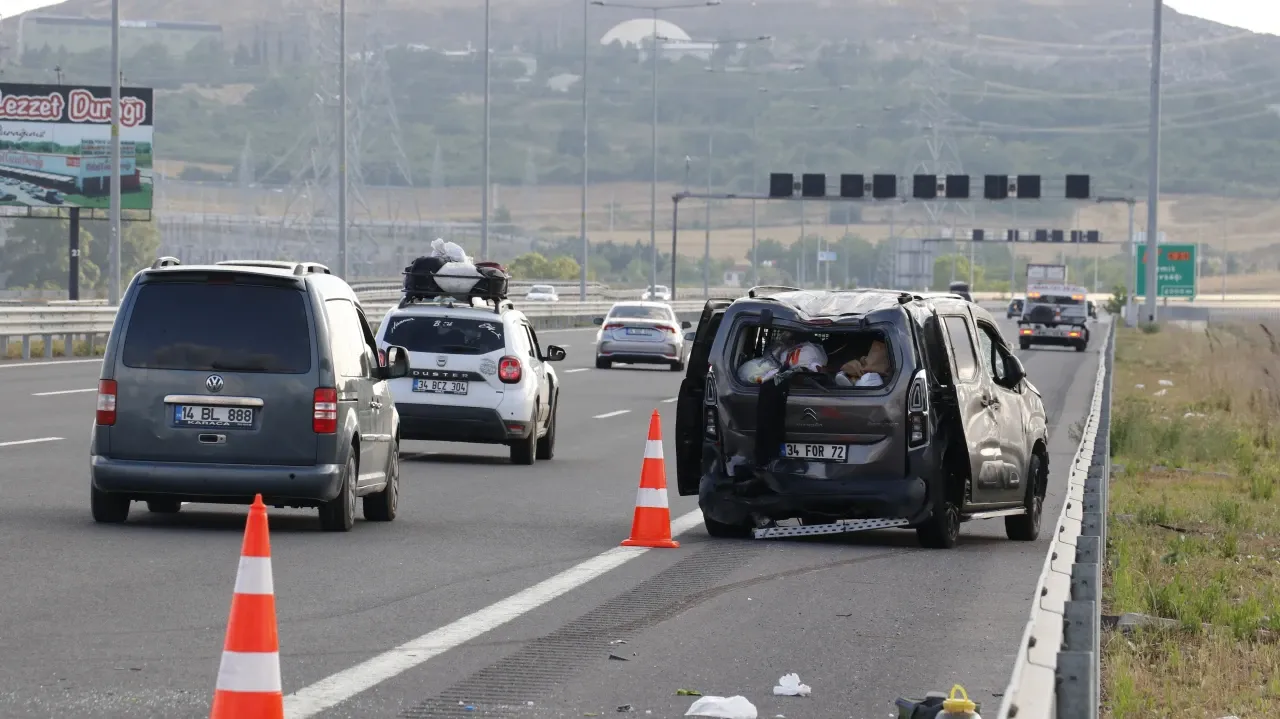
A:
{"x":723,"y":708}
{"x":789,"y":686}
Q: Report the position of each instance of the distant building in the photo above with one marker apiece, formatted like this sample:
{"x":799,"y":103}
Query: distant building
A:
{"x":85,"y":34}
{"x":638,"y":34}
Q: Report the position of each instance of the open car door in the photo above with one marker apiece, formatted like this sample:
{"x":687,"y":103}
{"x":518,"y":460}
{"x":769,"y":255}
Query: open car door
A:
{"x":689,"y":417}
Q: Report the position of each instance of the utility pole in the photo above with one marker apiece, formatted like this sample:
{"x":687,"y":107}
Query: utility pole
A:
{"x":706,"y":251}
{"x":344,"y":263}
{"x":1131,"y":275}
{"x":114,"y":248}
{"x":1153,"y":160}
{"x":586,"y":248}
{"x":484,"y":160}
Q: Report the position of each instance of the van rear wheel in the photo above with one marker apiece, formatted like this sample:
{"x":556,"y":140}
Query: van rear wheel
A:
{"x":108,"y":508}
{"x":942,"y":529}
{"x":720,"y":530}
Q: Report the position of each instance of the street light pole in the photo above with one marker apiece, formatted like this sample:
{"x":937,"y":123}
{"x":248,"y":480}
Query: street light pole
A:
{"x":1130,"y":272}
{"x":586,"y":44}
{"x":343,"y":261}
{"x":706,"y":250}
{"x":1153,"y":161}
{"x":114,"y":211}
{"x":653,"y":188}
{"x":484,"y":159}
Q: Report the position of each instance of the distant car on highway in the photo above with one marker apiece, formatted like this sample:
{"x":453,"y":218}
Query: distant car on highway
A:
{"x":640,"y":333}
{"x":657,"y":293}
{"x":962,"y":289}
{"x":53,"y":198}
{"x":241,"y":378}
{"x":542,"y":293}
{"x":930,"y":420}
{"x":8,"y":197}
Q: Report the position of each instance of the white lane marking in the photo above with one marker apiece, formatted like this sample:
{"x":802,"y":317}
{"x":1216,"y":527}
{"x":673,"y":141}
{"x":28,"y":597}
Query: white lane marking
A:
{"x":63,"y":391}
{"x":30,"y":441}
{"x":47,"y":364}
{"x":669,"y":401}
{"x":579,"y":369}
{"x":337,"y":688}
{"x":607,"y":415}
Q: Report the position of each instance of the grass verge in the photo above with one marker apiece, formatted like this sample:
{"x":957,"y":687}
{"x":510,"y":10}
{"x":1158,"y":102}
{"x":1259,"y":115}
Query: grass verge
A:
{"x":79,"y":348}
{"x":1194,"y":529}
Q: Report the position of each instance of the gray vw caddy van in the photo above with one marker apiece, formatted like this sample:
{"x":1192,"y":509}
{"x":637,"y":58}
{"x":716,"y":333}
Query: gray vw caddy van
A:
{"x":225,"y":381}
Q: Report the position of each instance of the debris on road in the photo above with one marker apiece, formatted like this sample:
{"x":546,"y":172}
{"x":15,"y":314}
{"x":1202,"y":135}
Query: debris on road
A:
{"x":617,"y":658}
{"x":736,"y":707}
{"x":1166,"y":383}
{"x":790,"y":686}
{"x":618,"y":641}
{"x":688,"y":693}
{"x":626,"y":708}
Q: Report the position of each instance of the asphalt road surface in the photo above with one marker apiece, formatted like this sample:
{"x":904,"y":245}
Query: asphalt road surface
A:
{"x":499,"y":588}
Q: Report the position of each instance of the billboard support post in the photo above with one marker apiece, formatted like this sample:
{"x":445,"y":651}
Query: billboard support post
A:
{"x":115,"y":156}
{"x":73,"y":257}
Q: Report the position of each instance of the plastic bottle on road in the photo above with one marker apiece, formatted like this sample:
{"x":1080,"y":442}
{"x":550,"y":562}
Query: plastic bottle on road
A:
{"x":958,"y":707}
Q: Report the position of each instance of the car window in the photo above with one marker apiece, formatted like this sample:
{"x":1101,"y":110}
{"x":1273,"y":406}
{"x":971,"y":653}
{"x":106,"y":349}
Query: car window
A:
{"x":989,"y":343}
{"x":534,"y":350}
{"x":966,"y":358}
{"x":446,"y":335}
{"x":219,"y":327}
{"x":639,"y":312}
{"x":346,"y":335}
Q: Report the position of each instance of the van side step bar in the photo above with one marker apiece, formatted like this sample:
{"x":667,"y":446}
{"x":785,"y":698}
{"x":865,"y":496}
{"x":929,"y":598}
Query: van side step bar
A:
{"x":843,"y":526}
{"x":995,"y":513}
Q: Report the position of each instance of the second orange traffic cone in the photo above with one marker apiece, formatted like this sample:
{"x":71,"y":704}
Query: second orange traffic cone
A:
{"x":248,"y":684}
{"x":651,"y":526}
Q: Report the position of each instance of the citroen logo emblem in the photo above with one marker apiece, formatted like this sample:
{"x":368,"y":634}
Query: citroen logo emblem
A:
{"x":810,"y":414}
{"x":214,"y":383}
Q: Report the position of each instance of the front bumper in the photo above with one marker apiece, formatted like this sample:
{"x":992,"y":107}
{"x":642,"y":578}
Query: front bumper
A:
{"x":770,"y":494}
{"x":475,"y":425}
{"x":217,"y":483}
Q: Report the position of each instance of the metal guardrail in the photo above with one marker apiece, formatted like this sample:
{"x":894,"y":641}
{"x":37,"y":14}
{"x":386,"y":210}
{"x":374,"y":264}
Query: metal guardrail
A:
{"x":1057,"y":674}
{"x":92,"y":322}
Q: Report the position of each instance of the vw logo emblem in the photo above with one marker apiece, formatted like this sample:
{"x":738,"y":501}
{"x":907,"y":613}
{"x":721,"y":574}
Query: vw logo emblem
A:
{"x":811,"y":414}
{"x":442,"y":361}
{"x":214,"y":383}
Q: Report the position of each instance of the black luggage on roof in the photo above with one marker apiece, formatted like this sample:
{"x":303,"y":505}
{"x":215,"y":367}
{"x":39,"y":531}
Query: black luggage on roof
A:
{"x":423,"y":280}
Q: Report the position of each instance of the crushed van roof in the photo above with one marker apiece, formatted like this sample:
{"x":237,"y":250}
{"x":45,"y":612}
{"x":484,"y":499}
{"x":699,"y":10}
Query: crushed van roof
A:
{"x":819,"y":303}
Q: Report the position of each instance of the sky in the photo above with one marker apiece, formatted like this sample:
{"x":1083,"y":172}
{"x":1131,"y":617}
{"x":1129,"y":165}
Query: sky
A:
{"x":1255,"y":15}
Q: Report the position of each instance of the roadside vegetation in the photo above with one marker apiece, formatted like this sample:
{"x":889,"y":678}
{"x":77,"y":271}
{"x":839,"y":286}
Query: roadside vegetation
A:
{"x":1194,"y":530}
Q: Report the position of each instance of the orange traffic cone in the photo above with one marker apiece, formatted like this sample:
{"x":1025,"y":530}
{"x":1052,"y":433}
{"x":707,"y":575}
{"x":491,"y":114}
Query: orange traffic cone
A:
{"x":249,"y":677}
{"x":652,"y":524}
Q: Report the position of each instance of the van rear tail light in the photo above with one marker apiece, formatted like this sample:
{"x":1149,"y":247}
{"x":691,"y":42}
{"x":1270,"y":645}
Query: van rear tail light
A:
{"x":1073,"y":334}
{"x":918,"y":410}
{"x":509,"y":370}
{"x":324,"y":417}
{"x":1025,"y":331}
{"x":106,"y":403}
{"x":613,"y":326}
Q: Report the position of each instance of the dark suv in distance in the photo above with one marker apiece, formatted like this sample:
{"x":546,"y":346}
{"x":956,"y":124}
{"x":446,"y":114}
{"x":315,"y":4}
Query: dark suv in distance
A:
{"x":920,"y":415}
{"x":224,"y":381}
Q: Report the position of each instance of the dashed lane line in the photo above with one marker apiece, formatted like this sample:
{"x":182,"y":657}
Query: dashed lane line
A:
{"x":615,"y":413}
{"x":41,"y":440}
{"x":337,"y":688}
{"x":63,"y":391}
{"x":669,"y":400}
{"x":579,"y":369}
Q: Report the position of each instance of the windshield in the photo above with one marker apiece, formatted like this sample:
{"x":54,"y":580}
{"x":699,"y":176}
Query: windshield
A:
{"x":446,"y":335}
{"x":219,"y":327}
{"x":640,"y":312}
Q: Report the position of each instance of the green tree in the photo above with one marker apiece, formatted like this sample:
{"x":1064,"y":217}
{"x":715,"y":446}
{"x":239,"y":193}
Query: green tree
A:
{"x":35,"y":255}
{"x":530,"y":266}
{"x":564,"y":268}
{"x":139,"y":245}
{"x":942,"y":272}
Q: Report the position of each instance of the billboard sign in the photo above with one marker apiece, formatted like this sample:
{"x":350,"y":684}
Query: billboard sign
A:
{"x":55,"y":146}
{"x":1175,"y":271}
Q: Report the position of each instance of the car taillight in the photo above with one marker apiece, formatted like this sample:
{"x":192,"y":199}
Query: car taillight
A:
{"x":324,"y":417}
{"x":509,"y":370}
{"x":106,"y":402}
{"x":613,"y":326}
{"x":918,"y":410}
{"x":1026,"y":331}
{"x":1073,"y":334}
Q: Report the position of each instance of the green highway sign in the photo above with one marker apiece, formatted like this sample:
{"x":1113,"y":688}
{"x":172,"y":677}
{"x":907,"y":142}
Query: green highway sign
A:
{"x":1175,"y":273}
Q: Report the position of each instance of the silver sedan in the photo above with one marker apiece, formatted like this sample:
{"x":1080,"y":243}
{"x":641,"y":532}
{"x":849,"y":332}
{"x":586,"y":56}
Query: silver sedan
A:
{"x":641,"y":333}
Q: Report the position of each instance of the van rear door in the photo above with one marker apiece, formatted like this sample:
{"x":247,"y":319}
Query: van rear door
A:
{"x":689,"y":414}
{"x":217,"y":367}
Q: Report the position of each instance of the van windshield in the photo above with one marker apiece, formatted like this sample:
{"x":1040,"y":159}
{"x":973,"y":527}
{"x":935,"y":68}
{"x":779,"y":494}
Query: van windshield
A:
{"x":218,"y":328}
{"x":446,"y":335}
{"x":840,"y":359}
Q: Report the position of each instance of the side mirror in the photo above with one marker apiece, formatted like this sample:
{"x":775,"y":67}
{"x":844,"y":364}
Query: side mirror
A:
{"x":554,"y":353}
{"x":397,"y":363}
{"x":690,"y":336}
{"x":686,"y":325}
{"x":1013,"y":370}
{"x":597,"y":321}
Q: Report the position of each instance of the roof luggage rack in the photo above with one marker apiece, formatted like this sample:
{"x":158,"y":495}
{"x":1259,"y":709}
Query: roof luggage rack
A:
{"x":298,"y":268}
{"x":424,"y":282}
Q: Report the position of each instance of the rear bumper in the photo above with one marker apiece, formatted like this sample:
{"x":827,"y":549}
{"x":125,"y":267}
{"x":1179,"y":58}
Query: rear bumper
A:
{"x":440,"y":423}
{"x":640,"y":352}
{"x":222,"y":483}
{"x":768,"y":495}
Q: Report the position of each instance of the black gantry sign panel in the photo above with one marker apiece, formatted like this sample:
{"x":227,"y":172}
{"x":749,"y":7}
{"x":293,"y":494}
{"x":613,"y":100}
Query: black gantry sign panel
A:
{"x":884,"y":187}
{"x":781,"y":184}
{"x":813,"y":185}
{"x":924,"y":187}
{"x":853,"y":186}
{"x":957,"y":187}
